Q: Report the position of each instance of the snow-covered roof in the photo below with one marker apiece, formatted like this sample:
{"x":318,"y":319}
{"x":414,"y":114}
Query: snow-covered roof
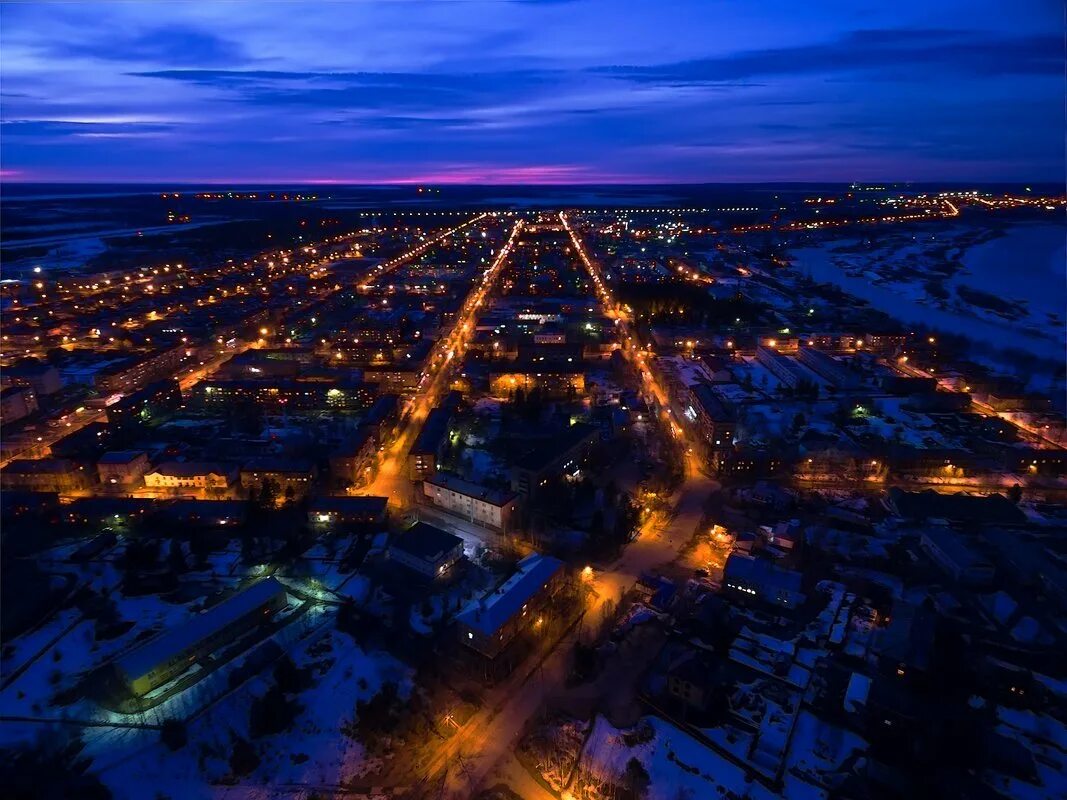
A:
{"x":162,"y":648}
{"x":489,"y":613}
{"x":859,"y":687}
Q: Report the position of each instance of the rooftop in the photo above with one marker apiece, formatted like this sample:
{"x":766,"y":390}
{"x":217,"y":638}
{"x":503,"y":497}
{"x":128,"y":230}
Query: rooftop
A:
{"x":275,"y":464}
{"x":712,"y":404}
{"x":425,"y":541}
{"x":170,"y":643}
{"x":358,"y":504}
{"x":494,"y":609}
{"x":498,"y":497}
{"x":928,"y":504}
{"x":187,"y":469}
{"x":544,"y":453}
{"x":434,"y":429}
{"x":762,"y":571}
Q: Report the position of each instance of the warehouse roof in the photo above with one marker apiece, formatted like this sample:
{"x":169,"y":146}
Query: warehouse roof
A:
{"x":179,"y":640}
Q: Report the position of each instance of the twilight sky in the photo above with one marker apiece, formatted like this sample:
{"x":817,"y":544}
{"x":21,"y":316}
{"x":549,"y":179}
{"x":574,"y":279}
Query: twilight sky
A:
{"x":528,"y":91}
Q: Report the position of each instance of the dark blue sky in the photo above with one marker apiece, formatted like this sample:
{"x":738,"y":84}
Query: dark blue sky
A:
{"x":520,"y":91}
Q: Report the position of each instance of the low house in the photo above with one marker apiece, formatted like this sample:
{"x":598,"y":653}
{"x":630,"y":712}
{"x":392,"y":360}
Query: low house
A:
{"x":168,"y":655}
{"x":655,"y":590}
{"x":490,"y":623}
{"x":426,"y":550}
{"x":688,"y":680}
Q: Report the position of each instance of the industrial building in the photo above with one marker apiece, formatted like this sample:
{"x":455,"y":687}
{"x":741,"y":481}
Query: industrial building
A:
{"x":171,"y":653}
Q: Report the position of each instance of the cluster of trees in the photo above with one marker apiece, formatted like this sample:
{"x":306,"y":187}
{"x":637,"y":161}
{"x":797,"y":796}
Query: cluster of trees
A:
{"x":276,"y":710}
{"x":804,"y":390}
{"x":52,"y":768}
{"x":386,"y":717}
{"x":529,"y":406}
{"x":632,"y":783}
{"x":680,"y":301}
{"x":245,"y":416}
{"x":625,"y":517}
{"x":243,"y":758}
{"x":266,"y":495}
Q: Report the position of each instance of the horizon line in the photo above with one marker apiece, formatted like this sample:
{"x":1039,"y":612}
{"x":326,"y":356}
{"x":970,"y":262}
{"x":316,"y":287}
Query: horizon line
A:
{"x":407,"y":183}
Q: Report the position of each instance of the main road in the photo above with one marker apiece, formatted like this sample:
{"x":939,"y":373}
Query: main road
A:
{"x":481,"y":751}
{"x":38,"y":443}
{"x":391,"y":480}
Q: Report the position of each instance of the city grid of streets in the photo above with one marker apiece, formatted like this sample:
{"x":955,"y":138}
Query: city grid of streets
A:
{"x":349,"y":315}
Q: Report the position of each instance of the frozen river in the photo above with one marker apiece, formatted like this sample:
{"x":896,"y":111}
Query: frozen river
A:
{"x":1027,"y":264}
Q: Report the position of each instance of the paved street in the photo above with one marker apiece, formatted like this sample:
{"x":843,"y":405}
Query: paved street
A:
{"x":481,"y":752}
{"x":487,"y":741}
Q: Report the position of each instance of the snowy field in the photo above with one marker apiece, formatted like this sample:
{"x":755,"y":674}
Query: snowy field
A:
{"x":679,"y":766}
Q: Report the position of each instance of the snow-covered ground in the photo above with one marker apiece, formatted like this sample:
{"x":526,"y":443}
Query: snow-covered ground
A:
{"x":1046,"y":738}
{"x":892,"y":276}
{"x":314,"y":752}
{"x":682,"y":767}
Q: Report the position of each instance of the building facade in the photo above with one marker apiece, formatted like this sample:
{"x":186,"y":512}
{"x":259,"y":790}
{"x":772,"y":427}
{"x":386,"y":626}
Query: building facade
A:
{"x":490,"y":508}
{"x":490,"y":623}
{"x":190,"y":475}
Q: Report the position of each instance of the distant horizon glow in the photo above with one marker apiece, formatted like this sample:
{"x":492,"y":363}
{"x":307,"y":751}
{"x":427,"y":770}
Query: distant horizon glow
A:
{"x":520,"y":92}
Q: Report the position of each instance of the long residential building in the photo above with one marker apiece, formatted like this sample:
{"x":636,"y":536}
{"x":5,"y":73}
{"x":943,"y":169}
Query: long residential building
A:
{"x":44,"y":475}
{"x":554,"y":379}
{"x":151,"y":402}
{"x":190,"y":475}
{"x":746,"y":576}
{"x":490,"y":623}
{"x":786,"y":368}
{"x":286,"y":474}
{"x":134,"y":372}
{"x":490,"y":508}
{"x":714,"y":419}
{"x":429,"y":445}
{"x":168,"y":655}
{"x":288,"y":394}
{"x":562,"y":454}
